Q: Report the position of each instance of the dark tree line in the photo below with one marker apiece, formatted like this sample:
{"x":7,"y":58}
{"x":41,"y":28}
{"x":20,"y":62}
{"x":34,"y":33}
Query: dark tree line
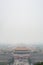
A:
{"x":39,"y":63}
{"x":11,"y":61}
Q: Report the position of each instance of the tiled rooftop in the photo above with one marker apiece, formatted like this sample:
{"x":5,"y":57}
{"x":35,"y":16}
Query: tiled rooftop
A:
{"x":21,"y":49}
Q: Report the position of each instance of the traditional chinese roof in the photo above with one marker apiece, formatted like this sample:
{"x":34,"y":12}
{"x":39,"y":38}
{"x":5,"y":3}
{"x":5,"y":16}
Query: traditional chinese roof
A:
{"x":21,"y":49}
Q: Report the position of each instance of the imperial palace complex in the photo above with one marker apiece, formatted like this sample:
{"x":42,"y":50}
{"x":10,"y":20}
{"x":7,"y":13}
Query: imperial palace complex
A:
{"x":21,"y":53}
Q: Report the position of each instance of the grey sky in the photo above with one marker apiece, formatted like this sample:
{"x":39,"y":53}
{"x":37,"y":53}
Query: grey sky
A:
{"x":21,"y":21}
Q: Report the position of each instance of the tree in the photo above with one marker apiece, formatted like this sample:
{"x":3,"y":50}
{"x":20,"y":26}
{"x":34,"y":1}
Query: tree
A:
{"x":29,"y":60}
{"x":11,"y":61}
{"x":39,"y":63}
{"x":3,"y":63}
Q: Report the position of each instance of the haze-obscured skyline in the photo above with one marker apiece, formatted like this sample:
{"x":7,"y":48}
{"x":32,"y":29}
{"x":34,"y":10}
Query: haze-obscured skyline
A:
{"x":21,"y":21}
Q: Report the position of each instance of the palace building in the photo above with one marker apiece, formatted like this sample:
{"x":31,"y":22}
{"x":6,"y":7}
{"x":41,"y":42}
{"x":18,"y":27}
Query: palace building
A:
{"x":21,"y":53}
